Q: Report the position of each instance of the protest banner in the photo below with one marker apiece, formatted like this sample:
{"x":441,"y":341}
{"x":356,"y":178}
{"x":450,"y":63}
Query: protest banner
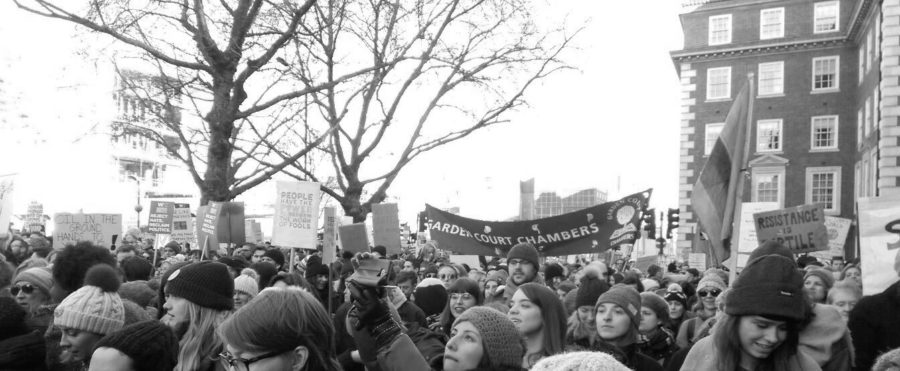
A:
{"x":230,"y":227}
{"x":591,"y":230}
{"x":160,"y":218}
{"x":206,"y":226}
{"x":183,"y":225}
{"x":838,"y":229}
{"x":34,"y":220}
{"x":746,"y":226}
{"x":644,"y":262}
{"x":799,"y":228}
{"x":253,"y":231}
{"x":697,"y":260}
{"x":329,"y":235}
{"x":296,"y":214}
{"x":7,"y":184}
{"x":354,"y":238}
{"x":879,"y":229}
{"x":100,"y":229}
{"x":386,"y":227}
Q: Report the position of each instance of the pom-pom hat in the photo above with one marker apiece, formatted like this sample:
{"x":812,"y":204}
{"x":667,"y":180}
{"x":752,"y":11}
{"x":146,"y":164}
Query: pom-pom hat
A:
{"x":96,"y":307}
{"x":151,"y":345}
{"x":502,"y":344}
{"x":247,"y":283}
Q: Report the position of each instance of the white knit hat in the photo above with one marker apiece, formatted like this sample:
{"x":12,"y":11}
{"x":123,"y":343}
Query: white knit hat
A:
{"x":247,"y":282}
{"x":580,"y":361}
{"x":96,"y":307}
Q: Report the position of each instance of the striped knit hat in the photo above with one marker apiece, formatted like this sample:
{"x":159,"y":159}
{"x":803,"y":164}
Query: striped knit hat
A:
{"x":502,"y":344}
{"x":247,"y":282}
{"x":96,"y":307}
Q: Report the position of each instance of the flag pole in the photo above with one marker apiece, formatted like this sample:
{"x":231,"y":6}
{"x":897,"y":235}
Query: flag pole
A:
{"x":743,"y":172}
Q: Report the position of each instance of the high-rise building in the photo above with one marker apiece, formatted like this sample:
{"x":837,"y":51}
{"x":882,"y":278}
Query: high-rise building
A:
{"x":825,"y":119}
{"x":550,"y":204}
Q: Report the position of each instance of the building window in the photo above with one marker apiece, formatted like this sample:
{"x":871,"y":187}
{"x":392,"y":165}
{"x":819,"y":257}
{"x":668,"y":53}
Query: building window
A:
{"x":771,"y":23}
{"x":718,"y":83}
{"x":823,"y":185}
{"x":870,"y":48}
{"x":862,"y":63}
{"x":720,"y":29}
{"x":825,"y":73}
{"x":876,"y":102}
{"x":877,"y":35}
{"x":771,"y":78}
{"x":873,"y":172}
{"x":857,"y":178}
{"x":768,"y":136}
{"x":712,"y":134}
{"x":867,"y":119}
{"x":824,"y":133}
{"x":859,"y":127}
{"x":826,"y":17}
{"x":768,"y":185}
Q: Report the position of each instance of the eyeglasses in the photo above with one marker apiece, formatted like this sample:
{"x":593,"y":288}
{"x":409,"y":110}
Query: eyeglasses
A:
{"x":447,"y":277}
{"x":712,"y":293}
{"x":240,"y":364}
{"x":26,"y":288}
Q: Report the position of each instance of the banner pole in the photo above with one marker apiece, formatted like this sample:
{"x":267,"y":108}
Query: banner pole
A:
{"x":293,"y":256}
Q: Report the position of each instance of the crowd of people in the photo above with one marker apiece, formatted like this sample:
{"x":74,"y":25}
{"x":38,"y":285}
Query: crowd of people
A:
{"x":133,"y":307}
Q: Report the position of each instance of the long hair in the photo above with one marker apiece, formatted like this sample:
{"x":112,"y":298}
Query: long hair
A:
{"x":577,"y":330}
{"x":281,"y":320}
{"x":553,"y":315}
{"x":460,"y":286}
{"x":200,"y":343}
{"x":727,"y":345}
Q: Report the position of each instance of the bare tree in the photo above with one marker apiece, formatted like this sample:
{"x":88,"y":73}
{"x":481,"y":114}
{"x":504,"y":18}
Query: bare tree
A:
{"x":442,"y":70}
{"x":226,"y":61}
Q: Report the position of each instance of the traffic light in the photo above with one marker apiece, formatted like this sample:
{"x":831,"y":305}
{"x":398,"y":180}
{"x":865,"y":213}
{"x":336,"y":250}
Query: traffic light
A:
{"x":648,"y":221}
{"x":673,"y":219}
{"x":423,"y":220}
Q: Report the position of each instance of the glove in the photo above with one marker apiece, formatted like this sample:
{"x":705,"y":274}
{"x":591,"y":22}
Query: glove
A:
{"x":368,"y":306}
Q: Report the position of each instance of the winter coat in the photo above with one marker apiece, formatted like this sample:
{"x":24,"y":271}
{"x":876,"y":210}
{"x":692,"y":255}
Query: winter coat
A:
{"x":23,"y":353}
{"x":875,"y":325}
{"x":704,"y":357}
{"x":659,"y":346}
{"x":826,"y":339}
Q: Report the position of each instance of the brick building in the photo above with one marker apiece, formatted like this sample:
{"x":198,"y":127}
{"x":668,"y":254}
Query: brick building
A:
{"x":827,"y":76}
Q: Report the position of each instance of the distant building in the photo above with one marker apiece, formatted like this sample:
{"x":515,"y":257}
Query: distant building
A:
{"x":825,"y":126}
{"x":550,"y":204}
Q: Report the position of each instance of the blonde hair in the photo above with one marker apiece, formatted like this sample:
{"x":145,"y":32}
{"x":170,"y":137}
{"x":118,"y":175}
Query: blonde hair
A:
{"x":577,"y":330}
{"x":200,"y":343}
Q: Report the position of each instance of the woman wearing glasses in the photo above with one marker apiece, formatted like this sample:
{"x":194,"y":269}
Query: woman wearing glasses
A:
{"x":461,"y":295}
{"x":708,"y":289}
{"x":282,"y":329}
{"x":32,"y":292}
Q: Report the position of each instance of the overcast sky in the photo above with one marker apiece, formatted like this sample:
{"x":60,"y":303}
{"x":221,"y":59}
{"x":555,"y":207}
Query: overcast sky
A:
{"x":615,"y":121}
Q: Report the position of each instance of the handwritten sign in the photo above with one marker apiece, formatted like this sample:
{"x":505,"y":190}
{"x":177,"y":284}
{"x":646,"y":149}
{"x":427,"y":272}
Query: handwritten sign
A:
{"x":386,"y":227}
{"x":160,"y":219}
{"x":354,"y":237}
{"x":296,"y":214}
{"x":800,"y":228}
{"x":879,"y":231}
{"x":838,"y":228}
{"x":697,"y":260}
{"x":34,"y":220}
{"x":183,"y":225}
{"x":747,"y":238}
{"x":329,"y":235}
{"x":99,"y":229}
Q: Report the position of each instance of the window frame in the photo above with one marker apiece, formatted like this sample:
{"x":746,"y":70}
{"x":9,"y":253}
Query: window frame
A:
{"x":837,"y":16}
{"x":762,"y":26}
{"x":710,"y":32}
{"x":836,"y":186}
{"x":709,"y":72}
{"x":707,"y":149}
{"x":779,"y":91}
{"x":837,"y":73}
{"x":812,"y":133}
{"x":766,"y":171}
{"x":780,"y":123}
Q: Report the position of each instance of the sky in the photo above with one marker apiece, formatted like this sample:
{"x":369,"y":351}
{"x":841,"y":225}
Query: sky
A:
{"x":613,"y":123}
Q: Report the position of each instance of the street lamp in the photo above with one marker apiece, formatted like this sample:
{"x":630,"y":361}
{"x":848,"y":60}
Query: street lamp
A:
{"x":137,"y":208}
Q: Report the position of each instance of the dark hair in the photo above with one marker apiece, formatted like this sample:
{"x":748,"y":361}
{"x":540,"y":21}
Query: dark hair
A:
{"x":727,"y":344}
{"x":694,"y":272}
{"x":404,"y":276}
{"x":553,"y":314}
{"x":653,"y":269}
{"x":136,"y":268}
{"x":75,"y":260}
{"x":266,"y":271}
{"x":460,"y":286}
{"x":632,"y":278}
{"x":292,"y":279}
{"x":125,"y":248}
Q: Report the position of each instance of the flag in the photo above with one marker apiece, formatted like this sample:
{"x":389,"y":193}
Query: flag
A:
{"x":715,"y":192}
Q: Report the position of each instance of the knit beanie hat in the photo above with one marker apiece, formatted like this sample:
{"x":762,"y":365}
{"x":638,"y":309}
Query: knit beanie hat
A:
{"x":96,"y":307}
{"x":174,"y":246}
{"x":12,"y":318}
{"x":502,"y":344}
{"x":650,"y":284}
{"x":134,"y":313}
{"x":627,"y":298}
{"x":524,"y":251}
{"x":569,"y":300}
{"x":723,"y":275}
{"x":565,"y":286}
{"x":276,"y":255}
{"x":205,"y":283}
{"x":247,"y":283}
{"x":676,"y":296}
{"x":137,"y":291}
{"x":770,"y":247}
{"x":381,"y":250}
{"x":136,"y":268}
{"x":712,"y":282}
{"x":431,"y":296}
{"x":266,"y":271}
{"x":826,"y":277}
{"x":657,"y":304}
{"x":552,"y":270}
{"x":768,"y":286}
{"x":151,"y":345}
{"x":592,"y":286}
{"x":580,"y":361}
{"x":41,"y":278}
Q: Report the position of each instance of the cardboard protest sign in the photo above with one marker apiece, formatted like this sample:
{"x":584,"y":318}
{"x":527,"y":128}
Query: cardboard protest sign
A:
{"x":7,"y":184}
{"x":879,"y":230}
{"x":296,"y":214}
{"x":354,"y":238}
{"x":206,"y":225}
{"x":253,"y":231}
{"x":230,"y":228}
{"x":470,"y":260}
{"x":160,"y":218}
{"x":644,"y":262}
{"x":591,"y":230}
{"x":99,"y":229}
{"x":746,"y":226}
{"x":838,"y":229}
{"x":34,"y":220}
{"x":183,"y":225}
{"x":386,"y":227}
{"x":800,"y":228}
{"x":329,"y":235}
{"x":697,"y":260}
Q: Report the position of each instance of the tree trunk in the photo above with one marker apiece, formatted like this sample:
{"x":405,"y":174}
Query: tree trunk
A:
{"x":216,"y":183}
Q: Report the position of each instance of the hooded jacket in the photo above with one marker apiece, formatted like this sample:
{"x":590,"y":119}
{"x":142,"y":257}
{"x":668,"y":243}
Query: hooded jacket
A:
{"x":703,"y":356}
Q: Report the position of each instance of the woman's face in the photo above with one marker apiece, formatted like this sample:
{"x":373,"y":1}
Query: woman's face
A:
{"x":490,"y":287}
{"x":177,"y":314}
{"x":18,"y":248}
{"x":649,"y":321}
{"x":845,"y":301}
{"x":284,"y":361}
{"x":240,"y":298}
{"x":708,"y":297}
{"x":408,"y":266}
{"x":78,"y":344}
{"x":460,"y":301}
{"x":447,"y":275}
{"x":29,"y":296}
{"x":586,"y":315}
{"x":612,"y":321}
{"x":814,"y":288}
{"x":760,"y":336}
{"x":854,"y":274}
{"x":525,"y":314}
{"x":676,"y":309}
{"x":464,"y":349}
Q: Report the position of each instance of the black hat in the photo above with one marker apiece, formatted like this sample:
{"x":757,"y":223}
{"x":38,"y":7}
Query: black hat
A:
{"x":551,"y":271}
{"x":592,"y":286}
{"x":136,"y":268}
{"x":235,"y":262}
{"x":151,"y":345}
{"x":769,"y":286}
{"x":174,"y":246}
{"x":276,"y":255}
{"x":205,"y":283}
{"x":266,"y":271}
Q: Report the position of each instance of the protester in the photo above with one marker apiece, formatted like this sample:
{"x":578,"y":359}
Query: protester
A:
{"x":258,"y":253}
{"x":274,"y":257}
{"x":581,"y":329}
{"x":406,"y":281}
{"x":245,"y":288}
{"x":580,"y":361}
{"x":266,"y":272}
{"x":655,"y":340}
{"x":540,"y":318}
{"x":494,"y":279}
{"x":20,"y":347}
{"x":618,"y":319}
{"x":678,"y":312}
{"x":483,"y":339}
{"x":142,"y":346}
{"x":135,"y":268}
{"x":447,"y":274}
{"x":462,"y":295}
{"x":171,"y":249}
{"x":235,"y":264}
{"x":32,"y":291}
{"x":553,"y":274}
{"x":523,"y":267}
{"x":280,"y":330}
{"x":285,"y":279}
{"x":709,"y":287}
{"x":889,"y":361}
{"x":873,"y":323}
{"x":853,"y":273}
{"x":760,"y":327}
{"x":816,"y":284}
{"x":17,"y":250}
{"x":431,"y":297}
{"x":844,"y":295}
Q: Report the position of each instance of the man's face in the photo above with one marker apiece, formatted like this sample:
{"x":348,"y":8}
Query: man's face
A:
{"x":257,"y":256}
{"x":270,"y":260}
{"x":521,"y":271}
{"x":406,"y":287}
{"x":242,"y":251}
{"x":837,"y":265}
{"x":168,"y":253}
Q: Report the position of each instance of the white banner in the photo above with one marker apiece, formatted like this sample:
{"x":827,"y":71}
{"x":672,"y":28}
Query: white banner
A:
{"x":7,"y":183}
{"x":879,"y":230}
{"x":96,"y":228}
{"x":296,"y":214}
